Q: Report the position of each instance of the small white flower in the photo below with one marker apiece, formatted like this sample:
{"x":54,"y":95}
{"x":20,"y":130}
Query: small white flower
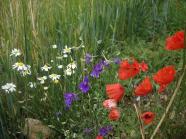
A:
{"x":19,"y":66}
{"x":15,"y":52}
{"x":32,"y":84}
{"x":65,"y":55}
{"x":9,"y":87}
{"x":46,"y":68}
{"x":45,"y":88}
{"x":138,"y":98}
{"x":43,"y":99}
{"x":60,"y":66}
{"x":72,"y":65}
{"x":70,"y":69}
{"x":55,"y":77}
{"x":66,"y":51}
{"x":51,"y":61}
{"x":22,"y":68}
{"x":99,"y":41}
{"x":27,"y":71}
{"x":54,"y":46}
{"x":42,"y":79}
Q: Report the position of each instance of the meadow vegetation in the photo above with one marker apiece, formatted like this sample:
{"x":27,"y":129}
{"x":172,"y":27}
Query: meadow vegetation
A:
{"x":57,"y":37}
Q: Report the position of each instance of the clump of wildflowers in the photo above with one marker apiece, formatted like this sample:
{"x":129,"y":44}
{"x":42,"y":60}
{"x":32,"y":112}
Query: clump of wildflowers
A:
{"x":22,"y":68}
{"x":46,"y":68}
{"x":98,"y":68}
{"x":15,"y":52}
{"x":105,"y":130}
{"x":54,"y":77}
{"x":84,"y":85}
{"x":66,"y":51}
{"x":69,"y":99}
{"x":70,"y":69}
{"x":42,"y":79}
{"x":9,"y":87}
{"x":32,"y":84}
{"x":88,"y":58}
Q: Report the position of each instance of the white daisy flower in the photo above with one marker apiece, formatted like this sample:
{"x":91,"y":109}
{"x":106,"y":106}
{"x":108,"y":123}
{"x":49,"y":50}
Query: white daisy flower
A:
{"x":32,"y":84}
{"x":55,"y":77}
{"x":15,"y":52}
{"x":46,"y":68}
{"x":9,"y":87}
{"x":42,"y":79}
{"x":60,"y":66}
{"x":72,"y":65}
{"x":19,"y":66}
{"x":70,"y":69}
{"x":22,"y":68}
{"x":27,"y":71}
{"x":54,"y":46}
{"x":66,"y":50}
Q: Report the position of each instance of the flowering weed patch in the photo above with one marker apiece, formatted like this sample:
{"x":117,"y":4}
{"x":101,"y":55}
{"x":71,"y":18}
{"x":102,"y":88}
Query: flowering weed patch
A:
{"x":74,"y":98}
{"x":92,"y":69}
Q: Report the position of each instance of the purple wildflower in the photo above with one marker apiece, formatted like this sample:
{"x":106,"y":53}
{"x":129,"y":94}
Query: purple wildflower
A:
{"x":88,"y":58}
{"x":105,"y":130}
{"x":98,"y":68}
{"x":117,"y":60}
{"x":105,"y":63}
{"x":69,"y":98}
{"x":84,"y":85}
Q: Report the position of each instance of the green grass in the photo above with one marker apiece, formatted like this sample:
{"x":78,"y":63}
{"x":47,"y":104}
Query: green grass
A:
{"x":127,"y":28}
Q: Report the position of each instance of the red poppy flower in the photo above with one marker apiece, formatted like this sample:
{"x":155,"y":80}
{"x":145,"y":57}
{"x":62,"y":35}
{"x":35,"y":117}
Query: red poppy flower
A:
{"x":164,"y":77}
{"x":99,"y":137}
{"x":144,"y":88}
{"x":114,"y":114}
{"x":176,"y":41}
{"x":128,"y":70}
{"x":147,"y":117}
{"x":143,"y":66}
{"x":115,"y":91}
{"x":110,"y":103}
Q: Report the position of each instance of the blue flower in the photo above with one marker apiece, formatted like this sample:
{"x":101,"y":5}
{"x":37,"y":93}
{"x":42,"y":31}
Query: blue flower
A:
{"x":84,"y":85}
{"x":98,"y":68}
{"x":105,"y":63}
{"x":69,"y":98}
{"x":88,"y":58}
{"x":105,"y":130}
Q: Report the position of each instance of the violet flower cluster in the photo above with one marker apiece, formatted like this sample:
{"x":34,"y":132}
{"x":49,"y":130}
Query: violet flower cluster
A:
{"x":84,"y":85}
{"x":69,"y":98}
{"x":98,"y":68}
{"x":105,"y":130}
{"x":88,"y":58}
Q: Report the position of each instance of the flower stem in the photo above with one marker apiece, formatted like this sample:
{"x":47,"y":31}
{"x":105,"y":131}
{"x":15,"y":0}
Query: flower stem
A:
{"x":141,"y":124}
